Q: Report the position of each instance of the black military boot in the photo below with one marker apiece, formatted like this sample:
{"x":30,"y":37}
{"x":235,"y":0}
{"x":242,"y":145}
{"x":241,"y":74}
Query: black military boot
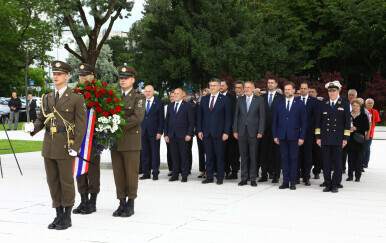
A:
{"x":59,"y":215}
{"x":129,"y":209}
{"x":83,"y":203}
{"x":91,"y":205}
{"x":122,"y":205}
{"x":65,"y":222}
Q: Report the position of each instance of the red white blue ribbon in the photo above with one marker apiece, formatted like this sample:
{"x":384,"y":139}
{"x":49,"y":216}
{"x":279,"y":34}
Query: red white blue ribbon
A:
{"x":80,"y":166}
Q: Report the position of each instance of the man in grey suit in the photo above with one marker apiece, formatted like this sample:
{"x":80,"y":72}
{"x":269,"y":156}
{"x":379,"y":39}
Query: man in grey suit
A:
{"x":248,"y":128}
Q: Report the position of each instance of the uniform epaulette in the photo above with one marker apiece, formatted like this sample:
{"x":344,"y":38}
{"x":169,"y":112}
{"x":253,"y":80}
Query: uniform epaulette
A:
{"x":76,"y":92}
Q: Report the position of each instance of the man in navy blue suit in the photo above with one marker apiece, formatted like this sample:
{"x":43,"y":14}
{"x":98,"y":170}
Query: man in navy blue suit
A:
{"x":289,"y":131}
{"x":179,"y":124}
{"x":213,"y":126}
{"x":152,"y":128}
{"x":305,"y":158}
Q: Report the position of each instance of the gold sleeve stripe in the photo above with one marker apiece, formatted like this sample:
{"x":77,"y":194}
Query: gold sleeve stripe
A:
{"x":347,"y":132}
{"x":317,"y":131}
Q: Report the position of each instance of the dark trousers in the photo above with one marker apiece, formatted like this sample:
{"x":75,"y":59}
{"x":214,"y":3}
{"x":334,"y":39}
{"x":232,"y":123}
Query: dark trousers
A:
{"x":270,"y":160}
{"x":355,"y":162}
{"x":60,"y":181}
{"x":179,"y":149}
{"x":332,"y":155}
{"x":248,"y":151}
{"x":169,"y":157}
{"x":150,"y":155}
{"x":214,"y":147}
{"x":367,"y":151}
{"x":344,"y":158}
{"x":232,"y":155}
{"x":190,"y":155}
{"x":305,"y":157}
{"x":90,"y":182}
{"x":316,"y":158}
{"x":125,"y":170}
{"x":289,"y":151}
{"x":201,"y":154}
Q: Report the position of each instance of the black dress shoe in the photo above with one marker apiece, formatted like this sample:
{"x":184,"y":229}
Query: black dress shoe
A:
{"x":91,"y":205}
{"x":365,"y":166}
{"x":232,"y":176}
{"x":340,"y":186}
{"x":275,"y":180}
{"x":243,"y":183}
{"x":170,"y":174}
{"x":334,"y":189}
{"x":122,"y":205}
{"x":59,"y":215}
{"x":363,"y":170}
{"x":184,"y":179}
{"x":201,"y":175}
{"x":293,"y":187}
{"x":65,"y":221}
{"x":270,"y":176}
{"x":253,"y":183}
{"x":349,"y":179}
{"x":327,"y":189}
{"x":206,"y":181}
{"x":263,"y":179}
{"x":219,"y":181}
{"x":173,"y":178}
{"x":307,"y":183}
{"x":316,"y":177}
{"x":323,"y":184}
{"x":155,"y":177}
{"x":357,"y":180}
{"x":144,"y":177}
{"x":284,"y":186}
{"x":82,"y":205}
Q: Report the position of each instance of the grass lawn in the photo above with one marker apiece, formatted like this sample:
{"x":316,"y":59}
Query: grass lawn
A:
{"x":20,"y":146}
{"x":19,"y":126}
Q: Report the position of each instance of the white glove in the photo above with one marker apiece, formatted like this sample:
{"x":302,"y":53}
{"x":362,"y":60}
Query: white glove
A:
{"x":29,"y":127}
{"x":72,"y":152}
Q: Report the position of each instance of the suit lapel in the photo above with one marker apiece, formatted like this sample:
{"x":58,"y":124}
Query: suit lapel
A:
{"x":51,"y":100}
{"x":180,"y":108}
{"x":65,"y":97}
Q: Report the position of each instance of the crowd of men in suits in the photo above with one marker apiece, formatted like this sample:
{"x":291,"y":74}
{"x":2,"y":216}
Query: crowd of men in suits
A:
{"x":269,"y":131}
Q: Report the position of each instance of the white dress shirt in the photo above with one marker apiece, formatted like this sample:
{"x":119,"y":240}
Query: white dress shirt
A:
{"x":291,"y":100}
{"x":273,"y":95}
{"x":151,"y":102}
{"x":334,"y":102}
{"x":61,"y":91}
{"x":127,"y":92}
{"x":179,"y":105}
{"x":305,"y":99}
{"x":215,"y":98}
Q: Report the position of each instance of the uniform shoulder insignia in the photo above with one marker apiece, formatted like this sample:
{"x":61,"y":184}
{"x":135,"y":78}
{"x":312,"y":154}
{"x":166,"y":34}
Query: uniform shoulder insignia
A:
{"x":140,"y":103}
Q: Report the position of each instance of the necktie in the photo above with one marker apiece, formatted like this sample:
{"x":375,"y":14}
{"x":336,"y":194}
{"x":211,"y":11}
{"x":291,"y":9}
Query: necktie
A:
{"x":175,"y":109}
{"x":304,"y":100}
{"x":248,"y":103}
{"x":56,"y":97}
{"x":270,"y":100}
{"x":288,"y":106}
{"x":123,"y":95}
{"x":332,"y":105}
{"x":211,"y":104}
{"x":147,"y":107}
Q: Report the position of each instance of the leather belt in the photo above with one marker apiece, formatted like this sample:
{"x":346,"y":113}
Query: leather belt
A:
{"x":58,"y":129}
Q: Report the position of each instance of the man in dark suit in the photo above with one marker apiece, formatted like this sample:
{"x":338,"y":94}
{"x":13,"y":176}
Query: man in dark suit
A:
{"x":270,"y":157}
{"x":289,"y":129}
{"x":213,"y":126}
{"x":190,"y":142}
{"x":305,"y":158}
{"x":32,"y":108}
{"x":316,"y":150}
{"x":178,"y":131}
{"x":232,"y":154}
{"x":248,"y":128}
{"x":152,"y":128}
{"x":332,"y":133}
{"x":168,"y":153}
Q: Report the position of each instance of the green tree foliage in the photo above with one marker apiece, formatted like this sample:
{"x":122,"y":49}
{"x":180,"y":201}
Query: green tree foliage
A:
{"x":120,"y":50}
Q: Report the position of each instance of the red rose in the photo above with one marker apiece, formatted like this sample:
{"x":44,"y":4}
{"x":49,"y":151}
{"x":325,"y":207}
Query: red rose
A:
{"x":95,"y":88}
{"x":102,"y":90}
{"x":87,"y":95}
{"x":112,"y":111}
{"x":105,"y":113}
{"x":96,"y":104}
{"x":87,"y":82}
{"x":116,"y":100}
{"x":108,"y":100}
{"x":111,"y":92}
{"x":74,"y":90}
{"x":90,"y":104}
{"x":97,"y":94}
{"x":78,"y":85}
{"x":117,"y":109}
{"x":93,"y":81}
{"x":98,"y":109}
{"x":88,"y":88}
{"x":80,"y":91}
{"x":104,"y":84}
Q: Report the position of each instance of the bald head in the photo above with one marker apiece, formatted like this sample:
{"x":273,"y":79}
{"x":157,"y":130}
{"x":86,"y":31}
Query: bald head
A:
{"x":149,"y":92}
{"x":178,"y":94}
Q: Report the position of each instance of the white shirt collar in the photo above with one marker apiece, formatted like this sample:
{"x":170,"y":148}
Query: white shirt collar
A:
{"x":273,"y":93}
{"x":127,"y":92}
{"x":225,"y":93}
{"x":306,"y":97}
{"x":61,"y":91}
{"x":291,"y":100}
{"x":246,"y":96}
{"x":151,"y":100}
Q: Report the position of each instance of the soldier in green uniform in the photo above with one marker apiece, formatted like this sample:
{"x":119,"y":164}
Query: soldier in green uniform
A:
{"x":126,"y":155}
{"x":89,"y":183}
{"x":64,"y":115}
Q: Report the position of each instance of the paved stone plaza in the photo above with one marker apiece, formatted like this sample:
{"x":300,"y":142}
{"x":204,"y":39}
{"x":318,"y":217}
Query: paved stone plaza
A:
{"x":191,"y":212}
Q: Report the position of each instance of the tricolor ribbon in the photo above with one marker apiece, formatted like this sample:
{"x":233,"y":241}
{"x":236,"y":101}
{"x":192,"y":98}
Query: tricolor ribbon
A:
{"x":80,"y":165}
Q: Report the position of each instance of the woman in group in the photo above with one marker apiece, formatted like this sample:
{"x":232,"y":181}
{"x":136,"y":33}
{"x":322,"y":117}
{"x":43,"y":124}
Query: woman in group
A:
{"x":360,"y":124}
